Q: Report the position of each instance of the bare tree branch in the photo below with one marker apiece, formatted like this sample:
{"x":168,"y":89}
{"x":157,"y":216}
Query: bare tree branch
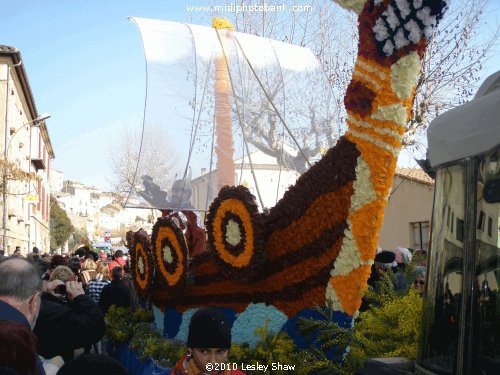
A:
{"x":450,"y":72}
{"x":156,"y":159}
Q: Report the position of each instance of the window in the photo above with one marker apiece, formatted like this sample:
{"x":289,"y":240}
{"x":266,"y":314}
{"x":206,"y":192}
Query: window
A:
{"x":480,"y":222}
{"x":490,"y":227}
{"x":419,"y":235}
{"x":460,"y":230}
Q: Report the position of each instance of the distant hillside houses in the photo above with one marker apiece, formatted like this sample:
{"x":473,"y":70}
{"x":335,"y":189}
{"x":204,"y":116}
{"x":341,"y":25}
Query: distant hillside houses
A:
{"x":95,"y":211}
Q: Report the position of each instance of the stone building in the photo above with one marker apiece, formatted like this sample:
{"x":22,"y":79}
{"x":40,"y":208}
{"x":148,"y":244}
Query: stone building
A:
{"x":26,"y":154}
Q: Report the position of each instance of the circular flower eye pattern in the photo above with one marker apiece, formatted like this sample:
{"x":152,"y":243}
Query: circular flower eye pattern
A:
{"x":234,"y":233}
{"x":170,"y":253}
{"x":142,"y":263}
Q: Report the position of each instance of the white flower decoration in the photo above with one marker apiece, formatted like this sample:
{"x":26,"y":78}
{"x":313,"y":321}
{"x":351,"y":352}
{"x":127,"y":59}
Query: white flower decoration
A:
{"x":415,"y":32}
{"x":380,"y":30}
{"x":404,"y":8}
{"x":233,"y":233}
{"x":140,"y":264}
{"x":167,"y":254}
{"x":391,"y":17}
{"x":388,"y":48}
{"x":354,"y":5}
{"x":176,"y":221}
{"x":394,"y":112}
{"x":404,"y":75}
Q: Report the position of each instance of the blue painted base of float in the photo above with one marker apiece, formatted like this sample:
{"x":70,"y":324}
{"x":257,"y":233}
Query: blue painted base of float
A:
{"x":175,"y":325}
{"x":133,"y":363}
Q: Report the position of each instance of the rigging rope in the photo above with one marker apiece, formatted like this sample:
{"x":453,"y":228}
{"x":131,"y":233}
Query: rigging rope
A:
{"x":211,"y":163}
{"x":272,"y":103}
{"x":242,"y":159}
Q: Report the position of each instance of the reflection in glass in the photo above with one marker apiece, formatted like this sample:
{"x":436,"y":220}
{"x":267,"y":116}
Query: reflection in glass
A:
{"x":486,"y":303}
{"x":441,"y":312}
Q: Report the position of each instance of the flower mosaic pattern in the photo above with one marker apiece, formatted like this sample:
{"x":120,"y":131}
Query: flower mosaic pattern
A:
{"x":170,"y":254}
{"x":142,"y":263}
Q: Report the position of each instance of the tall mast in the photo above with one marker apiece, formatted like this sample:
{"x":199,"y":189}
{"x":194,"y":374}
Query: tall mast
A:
{"x":224,"y":148}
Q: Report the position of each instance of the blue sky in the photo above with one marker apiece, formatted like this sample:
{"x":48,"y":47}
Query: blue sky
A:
{"x":86,"y":67}
{"x":85,"y":63}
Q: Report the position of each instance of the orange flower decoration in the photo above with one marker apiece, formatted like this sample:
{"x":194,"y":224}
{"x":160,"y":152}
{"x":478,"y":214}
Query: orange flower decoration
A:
{"x":233,"y":231}
{"x":142,"y":263}
{"x":170,"y":253}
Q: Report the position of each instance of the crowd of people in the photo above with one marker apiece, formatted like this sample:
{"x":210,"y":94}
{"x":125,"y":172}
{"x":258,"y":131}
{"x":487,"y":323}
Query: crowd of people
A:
{"x":52,"y":311}
{"x":52,"y":307}
{"x":407,"y":265}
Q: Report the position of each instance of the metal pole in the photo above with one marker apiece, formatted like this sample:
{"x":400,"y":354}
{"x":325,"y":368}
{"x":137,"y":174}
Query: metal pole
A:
{"x":5,"y":154}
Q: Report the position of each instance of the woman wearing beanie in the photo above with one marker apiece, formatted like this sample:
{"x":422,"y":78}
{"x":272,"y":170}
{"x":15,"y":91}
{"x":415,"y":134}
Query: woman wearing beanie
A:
{"x":209,"y":341}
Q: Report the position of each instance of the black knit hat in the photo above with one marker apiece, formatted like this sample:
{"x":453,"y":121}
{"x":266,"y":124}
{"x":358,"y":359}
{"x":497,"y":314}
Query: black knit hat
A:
{"x":385,"y":257}
{"x":209,"y":328}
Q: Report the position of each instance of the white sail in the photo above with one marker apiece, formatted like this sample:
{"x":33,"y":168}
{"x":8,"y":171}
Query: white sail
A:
{"x":271,"y":83}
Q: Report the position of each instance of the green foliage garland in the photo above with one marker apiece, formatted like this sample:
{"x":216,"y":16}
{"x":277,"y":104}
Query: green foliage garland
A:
{"x":120,"y":322}
{"x":149,"y":343}
{"x":124,"y":325}
{"x":272,"y":348}
{"x":389,"y":328}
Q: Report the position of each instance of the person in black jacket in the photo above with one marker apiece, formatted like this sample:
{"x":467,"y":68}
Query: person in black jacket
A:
{"x":20,"y":289}
{"x":115,"y":293}
{"x":66,"y":324}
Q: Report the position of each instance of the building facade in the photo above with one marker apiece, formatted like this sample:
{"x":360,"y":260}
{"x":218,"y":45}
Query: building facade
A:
{"x":26,"y":153}
{"x":407,"y":217}
{"x":268,"y":180}
{"x":56,"y":180}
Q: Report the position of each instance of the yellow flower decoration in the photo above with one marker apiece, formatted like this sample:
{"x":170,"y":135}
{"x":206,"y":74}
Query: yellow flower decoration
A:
{"x":222,"y":23}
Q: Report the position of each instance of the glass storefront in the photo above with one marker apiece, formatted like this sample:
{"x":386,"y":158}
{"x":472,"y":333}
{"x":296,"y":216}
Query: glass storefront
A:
{"x":444,"y":287}
{"x":461,"y":322}
{"x":486,"y":339}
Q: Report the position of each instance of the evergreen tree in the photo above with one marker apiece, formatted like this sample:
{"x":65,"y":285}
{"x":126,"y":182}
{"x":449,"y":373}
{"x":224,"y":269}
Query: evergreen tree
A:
{"x":60,"y":225}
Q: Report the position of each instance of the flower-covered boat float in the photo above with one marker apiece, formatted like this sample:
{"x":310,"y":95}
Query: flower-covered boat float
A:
{"x":315,"y":247}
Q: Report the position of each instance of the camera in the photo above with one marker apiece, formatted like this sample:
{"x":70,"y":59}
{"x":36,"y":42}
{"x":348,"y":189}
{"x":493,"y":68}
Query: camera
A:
{"x":60,"y":289}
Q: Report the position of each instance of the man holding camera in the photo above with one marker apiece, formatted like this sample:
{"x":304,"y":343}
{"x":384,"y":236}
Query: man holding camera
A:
{"x":20,"y":289}
{"x":68,"y":318}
